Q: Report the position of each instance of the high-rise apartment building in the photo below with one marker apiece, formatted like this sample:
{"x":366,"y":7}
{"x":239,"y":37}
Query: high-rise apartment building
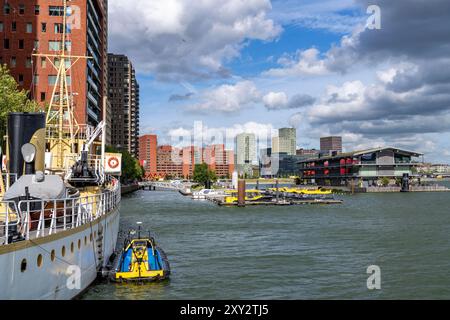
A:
{"x":286,"y":142}
{"x":246,"y":157}
{"x":124,"y":99}
{"x":36,"y":26}
{"x":331,"y":144}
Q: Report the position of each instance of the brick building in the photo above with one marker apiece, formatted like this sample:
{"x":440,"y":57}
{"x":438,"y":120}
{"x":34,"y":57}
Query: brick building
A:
{"x":35,"y":26}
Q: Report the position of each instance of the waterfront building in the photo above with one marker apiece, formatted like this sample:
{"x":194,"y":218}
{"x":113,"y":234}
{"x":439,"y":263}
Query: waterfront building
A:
{"x":148,"y":145}
{"x":286,"y":142}
{"x":330,"y":145}
{"x":245,"y":147}
{"x":364,"y":167}
{"x":28,"y":27}
{"x":219,"y":160}
{"x":124,"y":99}
{"x":308,"y":152}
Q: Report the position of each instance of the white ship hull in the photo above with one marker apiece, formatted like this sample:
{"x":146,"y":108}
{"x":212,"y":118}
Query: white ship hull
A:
{"x":68,"y":249}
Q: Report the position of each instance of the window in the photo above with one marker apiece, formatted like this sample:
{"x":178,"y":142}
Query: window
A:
{"x":42,"y":96}
{"x":6,"y":8}
{"x":29,"y":27}
{"x":39,"y":260}
{"x":13,"y":26}
{"x":52,"y":80}
{"x":36,"y":79}
{"x":29,"y":62}
{"x":58,"y":28}
{"x":56,"y":45}
{"x":21,"y":44}
{"x":13,"y":62}
{"x":23,"y":265}
{"x":20,"y":78}
{"x":43,"y":27}
{"x":1,"y":26}
{"x":5,"y":43}
{"x":36,"y":44}
{"x":37,"y":10}
{"x":56,"y":11}
{"x":66,"y":62}
{"x":21,"y":9}
{"x":43,"y":62}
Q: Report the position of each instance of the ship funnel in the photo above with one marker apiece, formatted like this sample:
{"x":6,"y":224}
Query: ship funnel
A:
{"x":25,"y":128}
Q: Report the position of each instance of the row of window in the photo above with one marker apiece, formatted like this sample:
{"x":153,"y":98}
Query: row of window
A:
{"x":52,"y":45}
{"x":57,"y":27}
{"x":55,"y":11}
{"x":40,"y":259}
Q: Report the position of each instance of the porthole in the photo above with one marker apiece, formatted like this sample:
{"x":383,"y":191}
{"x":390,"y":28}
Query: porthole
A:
{"x":39,"y":260}
{"x":52,"y":255}
{"x":23,"y":265}
{"x":79,"y":243}
{"x":90,"y":237}
{"x":85,"y":240}
{"x":63,"y":251}
{"x":71,"y":247}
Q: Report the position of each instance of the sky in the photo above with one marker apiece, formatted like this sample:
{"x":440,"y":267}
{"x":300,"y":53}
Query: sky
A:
{"x":377,"y":76}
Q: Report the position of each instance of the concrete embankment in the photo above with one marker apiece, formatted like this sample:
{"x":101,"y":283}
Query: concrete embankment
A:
{"x":129,"y":188}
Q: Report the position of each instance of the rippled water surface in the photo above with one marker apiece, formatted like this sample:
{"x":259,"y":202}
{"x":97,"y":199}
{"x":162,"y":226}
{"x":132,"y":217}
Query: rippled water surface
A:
{"x":297,"y":252}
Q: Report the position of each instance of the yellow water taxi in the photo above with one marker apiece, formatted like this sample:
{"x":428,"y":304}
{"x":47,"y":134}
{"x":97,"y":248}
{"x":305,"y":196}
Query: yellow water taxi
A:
{"x":141,"y":260}
{"x":250,"y":195}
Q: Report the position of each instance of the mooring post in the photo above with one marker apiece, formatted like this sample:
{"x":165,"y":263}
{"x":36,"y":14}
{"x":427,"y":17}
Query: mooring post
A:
{"x":277,"y":191}
{"x":241,"y":193}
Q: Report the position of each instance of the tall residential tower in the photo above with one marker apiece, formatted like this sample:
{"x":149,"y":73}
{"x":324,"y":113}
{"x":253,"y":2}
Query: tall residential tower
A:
{"x":124,"y":99}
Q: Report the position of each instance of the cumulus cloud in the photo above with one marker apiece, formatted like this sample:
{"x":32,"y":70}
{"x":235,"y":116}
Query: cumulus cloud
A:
{"x":306,"y":62}
{"x":181,"y":39}
{"x":280,"y":100}
{"x":228,"y":98}
{"x":200,"y":134}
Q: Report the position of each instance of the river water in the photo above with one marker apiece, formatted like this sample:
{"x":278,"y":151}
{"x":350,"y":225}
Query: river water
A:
{"x":296,"y":252}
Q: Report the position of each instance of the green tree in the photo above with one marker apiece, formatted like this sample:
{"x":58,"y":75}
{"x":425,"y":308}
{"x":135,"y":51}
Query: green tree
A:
{"x":202,"y":174}
{"x":385,"y":181}
{"x":12,"y":99}
{"x":131,"y":168}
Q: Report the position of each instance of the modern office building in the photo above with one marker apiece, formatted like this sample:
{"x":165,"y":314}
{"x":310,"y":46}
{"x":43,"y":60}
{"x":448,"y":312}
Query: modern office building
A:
{"x":245,"y":149}
{"x":35,"y":26}
{"x":148,"y":145}
{"x":365,"y":167}
{"x":124,"y":98}
{"x":286,"y":142}
{"x":330,"y":145}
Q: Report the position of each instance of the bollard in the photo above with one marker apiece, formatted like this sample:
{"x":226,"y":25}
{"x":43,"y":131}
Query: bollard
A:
{"x":241,"y":193}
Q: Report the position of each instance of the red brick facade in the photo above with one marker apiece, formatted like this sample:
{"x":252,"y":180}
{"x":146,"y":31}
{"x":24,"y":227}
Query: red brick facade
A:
{"x":31,"y":26}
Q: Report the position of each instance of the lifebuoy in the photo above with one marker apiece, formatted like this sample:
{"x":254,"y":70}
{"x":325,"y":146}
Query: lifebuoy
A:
{"x":113,"y":162}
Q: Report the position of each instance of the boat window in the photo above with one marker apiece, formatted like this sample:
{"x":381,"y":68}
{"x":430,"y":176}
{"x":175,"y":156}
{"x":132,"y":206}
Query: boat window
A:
{"x":52,"y":255}
{"x":23,"y":265}
{"x":39,"y":260}
{"x":63,"y":251}
{"x":79,"y":243}
{"x":71,"y":247}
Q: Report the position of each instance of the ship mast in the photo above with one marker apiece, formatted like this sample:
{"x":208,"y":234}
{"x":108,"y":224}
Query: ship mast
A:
{"x":62,"y":102}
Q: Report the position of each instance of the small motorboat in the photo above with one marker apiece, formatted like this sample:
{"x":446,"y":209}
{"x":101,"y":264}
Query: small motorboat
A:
{"x":141,"y":260}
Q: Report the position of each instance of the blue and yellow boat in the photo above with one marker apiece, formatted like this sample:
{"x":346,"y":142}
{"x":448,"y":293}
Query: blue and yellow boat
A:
{"x":141,"y":260}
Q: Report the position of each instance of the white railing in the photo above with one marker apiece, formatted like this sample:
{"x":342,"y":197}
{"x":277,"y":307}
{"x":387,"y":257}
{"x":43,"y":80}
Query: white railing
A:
{"x":34,"y":219}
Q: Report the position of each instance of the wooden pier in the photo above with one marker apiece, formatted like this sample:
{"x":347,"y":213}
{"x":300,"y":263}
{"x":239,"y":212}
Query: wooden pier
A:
{"x":281,"y":202}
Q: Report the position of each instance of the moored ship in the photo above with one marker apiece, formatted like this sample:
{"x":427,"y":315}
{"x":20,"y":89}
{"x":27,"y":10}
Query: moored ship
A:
{"x":60,"y":198}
